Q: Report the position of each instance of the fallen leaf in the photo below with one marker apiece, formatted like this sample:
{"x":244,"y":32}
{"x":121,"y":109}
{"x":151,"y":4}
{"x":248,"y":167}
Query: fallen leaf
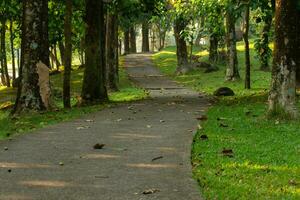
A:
{"x":223,"y":125}
{"x":161,"y":121}
{"x":150,"y":191}
{"x":293,"y":182}
{"x":227,"y":152}
{"x":89,"y":120}
{"x":203,"y":137}
{"x":221,"y":118}
{"x":118,"y":120}
{"x":149,"y":126}
{"x":202,"y":118}
{"x":157,"y":158}
{"x":82,"y":127}
{"x":98,"y":146}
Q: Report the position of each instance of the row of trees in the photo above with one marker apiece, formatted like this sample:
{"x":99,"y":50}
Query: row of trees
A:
{"x":72,"y":26}
{"x":94,"y":29}
{"x":218,"y":21}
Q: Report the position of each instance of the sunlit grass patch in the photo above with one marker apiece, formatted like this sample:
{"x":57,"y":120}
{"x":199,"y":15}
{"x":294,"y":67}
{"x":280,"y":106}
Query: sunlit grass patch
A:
{"x":265,"y":162}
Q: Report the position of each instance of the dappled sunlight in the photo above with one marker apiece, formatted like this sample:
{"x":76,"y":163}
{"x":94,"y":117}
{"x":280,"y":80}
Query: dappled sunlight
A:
{"x":100,"y":156}
{"x":14,"y":165}
{"x":129,"y":135}
{"x":253,"y":166}
{"x":46,"y":184}
{"x":152,"y":166}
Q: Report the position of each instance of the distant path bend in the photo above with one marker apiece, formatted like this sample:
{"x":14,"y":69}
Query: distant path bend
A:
{"x":147,"y":149}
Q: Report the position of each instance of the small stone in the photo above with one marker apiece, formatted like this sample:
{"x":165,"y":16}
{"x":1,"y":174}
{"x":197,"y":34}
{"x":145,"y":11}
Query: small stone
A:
{"x":61,"y":164}
{"x":5,"y":148}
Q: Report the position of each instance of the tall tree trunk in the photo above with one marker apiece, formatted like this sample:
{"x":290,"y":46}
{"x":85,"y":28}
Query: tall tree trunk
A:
{"x":232,"y":72}
{"x":126,"y":42}
{"x":132,"y":40}
{"x":265,"y":50}
{"x":61,"y":47}
{"x":44,"y":34}
{"x":112,"y":63}
{"x":12,"y":50}
{"x":3,"y":48}
{"x":282,"y":98}
{"x":32,"y":93}
{"x":94,"y":88}
{"x":68,"y":55}
{"x":247,"y":49}
{"x":181,"y":51}
{"x":213,"y":48}
{"x":145,"y":35}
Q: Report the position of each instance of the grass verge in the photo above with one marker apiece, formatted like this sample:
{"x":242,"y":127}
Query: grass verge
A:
{"x":246,"y":155}
{"x":29,"y":122}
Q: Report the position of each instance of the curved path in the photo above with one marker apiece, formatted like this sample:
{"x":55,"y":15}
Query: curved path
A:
{"x":147,"y":149}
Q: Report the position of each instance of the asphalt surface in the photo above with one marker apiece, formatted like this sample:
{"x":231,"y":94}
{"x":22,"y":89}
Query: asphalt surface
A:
{"x":147,"y":149}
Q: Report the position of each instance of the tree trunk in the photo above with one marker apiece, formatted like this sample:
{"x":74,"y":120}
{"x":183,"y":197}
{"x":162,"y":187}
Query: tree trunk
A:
{"x":34,"y":89}
{"x":68,"y":55}
{"x":181,"y":51}
{"x":54,"y":59}
{"x":132,"y":40}
{"x":3,"y":48}
{"x":145,"y":35}
{"x":112,"y":63}
{"x":282,"y":98}
{"x":61,"y":47}
{"x":12,"y":50}
{"x":213,"y":48}
{"x":44,"y":34}
{"x":18,"y":61}
{"x":247,"y":49}
{"x":232,"y":72}
{"x":265,"y":50}
{"x":126,"y":42}
{"x":94,"y":89}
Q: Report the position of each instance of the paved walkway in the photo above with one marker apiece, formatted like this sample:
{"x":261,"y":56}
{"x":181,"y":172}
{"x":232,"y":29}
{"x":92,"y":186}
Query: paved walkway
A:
{"x":147,"y":149}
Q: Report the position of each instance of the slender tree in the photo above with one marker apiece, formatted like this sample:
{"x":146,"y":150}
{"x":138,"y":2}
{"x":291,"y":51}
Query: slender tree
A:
{"x":112,"y":63}
{"x":94,"y":88}
{"x":282,"y":98}
{"x":132,"y":39}
{"x":68,"y":54}
{"x":247,"y":49}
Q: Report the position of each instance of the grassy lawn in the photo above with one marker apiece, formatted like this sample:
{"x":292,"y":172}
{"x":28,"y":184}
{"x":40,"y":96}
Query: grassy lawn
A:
{"x":246,"y":155}
{"x":30,"y":122}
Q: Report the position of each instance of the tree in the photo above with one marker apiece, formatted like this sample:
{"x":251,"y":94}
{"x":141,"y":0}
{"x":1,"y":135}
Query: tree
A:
{"x":232,"y":71}
{"x":32,"y":95}
{"x":247,"y":49}
{"x":282,"y":98}
{"x":94,"y":88}
{"x":112,"y":57}
{"x":68,"y":54}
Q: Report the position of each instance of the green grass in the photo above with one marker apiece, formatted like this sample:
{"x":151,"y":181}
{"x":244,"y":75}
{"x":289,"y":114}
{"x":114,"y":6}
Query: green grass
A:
{"x":32,"y":121}
{"x":266,"y":152}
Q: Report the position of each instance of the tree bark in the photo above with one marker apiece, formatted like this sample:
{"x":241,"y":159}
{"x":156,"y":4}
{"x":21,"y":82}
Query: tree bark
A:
{"x":213,"y":48}
{"x":247,"y":49}
{"x":232,"y":72}
{"x":132,"y":40}
{"x":181,"y":48}
{"x":12,"y":50}
{"x":29,"y":94}
{"x":126,"y":42}
{"x":112,"y":63}
{"x":94,"y":88}
{"x":68,"y":54}
{"x":44,"y":34}
{"x":3,"y":52}
{"x":282,"y":97}
{"x":265,"y":50}
{"x":145,"y":35}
